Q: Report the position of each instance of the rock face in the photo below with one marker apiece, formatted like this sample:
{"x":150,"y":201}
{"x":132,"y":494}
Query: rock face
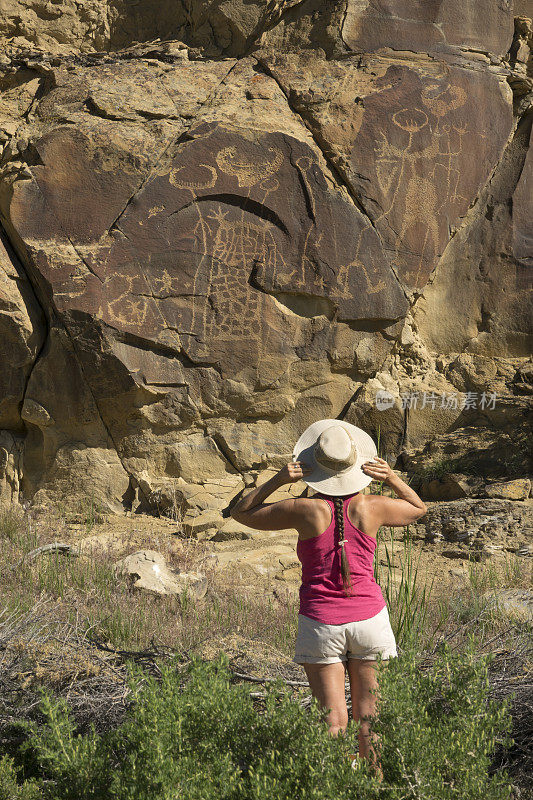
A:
{"x":222,"y":221}
{"x":480,"y":527}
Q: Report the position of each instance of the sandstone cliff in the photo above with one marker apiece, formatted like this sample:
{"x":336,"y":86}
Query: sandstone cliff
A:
{"x":224,"y":220}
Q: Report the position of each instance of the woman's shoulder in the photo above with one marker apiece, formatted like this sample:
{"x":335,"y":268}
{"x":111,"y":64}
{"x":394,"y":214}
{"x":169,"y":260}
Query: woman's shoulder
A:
{"x":314,"y":509}
{"x":365,"y":503}
{"x":362,"y":512}
{"x":311,"y":504}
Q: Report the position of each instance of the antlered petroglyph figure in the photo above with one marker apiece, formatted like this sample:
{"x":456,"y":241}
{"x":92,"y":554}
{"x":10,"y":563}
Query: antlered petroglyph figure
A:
{"x":442,"y":100}
{"x":308,"y":275}
{"x":343,"y":276}
{"x":415,"y":179}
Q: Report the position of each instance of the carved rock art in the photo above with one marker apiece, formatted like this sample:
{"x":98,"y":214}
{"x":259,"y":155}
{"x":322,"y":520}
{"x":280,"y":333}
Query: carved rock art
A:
{"x":200,"y":249}
{"x":404,"y":144}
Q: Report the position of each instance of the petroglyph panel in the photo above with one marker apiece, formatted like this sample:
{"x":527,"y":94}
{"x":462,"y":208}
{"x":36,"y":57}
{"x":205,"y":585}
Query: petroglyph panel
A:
{"x":415,"y":146}
{"x":406,"y":144}
{"x":237,"y":219}
{"x":428,"y":25}
{"x":223,"y":222}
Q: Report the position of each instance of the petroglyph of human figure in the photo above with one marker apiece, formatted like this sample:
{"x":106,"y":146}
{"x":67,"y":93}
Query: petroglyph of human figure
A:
{"x":397,"y":167}
{"x":309,"y":277}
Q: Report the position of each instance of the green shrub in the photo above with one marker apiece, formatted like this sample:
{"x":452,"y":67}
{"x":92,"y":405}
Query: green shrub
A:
{"x":197,"y":736}
{"x":439,"y":728}
{"x":10,"y":788}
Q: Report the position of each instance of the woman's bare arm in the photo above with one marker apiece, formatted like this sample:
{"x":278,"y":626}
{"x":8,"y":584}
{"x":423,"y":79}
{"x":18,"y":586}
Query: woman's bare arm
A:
{"x":387,"y":510}
{"x":252,"y":511}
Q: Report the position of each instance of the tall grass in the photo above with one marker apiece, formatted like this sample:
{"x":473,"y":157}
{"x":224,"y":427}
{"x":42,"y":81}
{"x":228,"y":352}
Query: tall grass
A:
{"x":126,"y":618}
{"x":407,"y":600}
{"x":485,"y":576}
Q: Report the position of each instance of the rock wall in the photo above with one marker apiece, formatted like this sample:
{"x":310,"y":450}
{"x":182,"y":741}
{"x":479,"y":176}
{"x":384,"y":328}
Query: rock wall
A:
{"x":224,"y":220}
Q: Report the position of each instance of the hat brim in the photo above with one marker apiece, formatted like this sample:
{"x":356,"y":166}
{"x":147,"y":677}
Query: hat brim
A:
{"x":324,"y":481}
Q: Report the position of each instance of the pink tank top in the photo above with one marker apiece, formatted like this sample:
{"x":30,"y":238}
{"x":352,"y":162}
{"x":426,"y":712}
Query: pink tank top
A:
{"x":322,"y":594}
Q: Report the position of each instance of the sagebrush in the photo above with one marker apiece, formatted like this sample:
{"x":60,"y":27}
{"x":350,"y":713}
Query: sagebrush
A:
{"x":194,"y":734}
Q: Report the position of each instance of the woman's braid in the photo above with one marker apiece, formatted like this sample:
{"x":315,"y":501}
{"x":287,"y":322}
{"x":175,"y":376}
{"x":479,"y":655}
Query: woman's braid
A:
{"x":345,"y":566}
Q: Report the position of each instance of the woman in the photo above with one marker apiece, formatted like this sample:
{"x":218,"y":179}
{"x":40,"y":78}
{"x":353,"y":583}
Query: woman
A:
{"x":343,"y":620}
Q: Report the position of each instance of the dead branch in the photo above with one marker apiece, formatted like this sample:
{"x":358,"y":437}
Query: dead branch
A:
{"x":252,"y":678}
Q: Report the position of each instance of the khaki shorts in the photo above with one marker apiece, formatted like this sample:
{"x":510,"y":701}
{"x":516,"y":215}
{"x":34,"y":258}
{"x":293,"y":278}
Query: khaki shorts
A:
{"x":319,"y":643}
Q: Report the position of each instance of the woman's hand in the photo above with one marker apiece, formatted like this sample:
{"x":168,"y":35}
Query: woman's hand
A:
{"x":377,"y":469}
{"x":293,"y":472}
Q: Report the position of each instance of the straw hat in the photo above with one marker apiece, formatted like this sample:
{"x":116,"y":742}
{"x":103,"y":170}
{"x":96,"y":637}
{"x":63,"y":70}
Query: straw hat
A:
{"x":336,"y":450}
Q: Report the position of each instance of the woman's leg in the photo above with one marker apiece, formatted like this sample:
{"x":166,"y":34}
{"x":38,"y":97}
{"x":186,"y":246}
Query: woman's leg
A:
{"x":327,"y":685}
{"x":363,"y":687}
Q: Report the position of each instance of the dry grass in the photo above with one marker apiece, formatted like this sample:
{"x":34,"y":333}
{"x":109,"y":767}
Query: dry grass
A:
{"x":87,"y":587}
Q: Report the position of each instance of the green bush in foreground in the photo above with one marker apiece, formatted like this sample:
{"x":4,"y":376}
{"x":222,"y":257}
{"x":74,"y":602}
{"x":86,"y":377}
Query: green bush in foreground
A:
{"x":9,"y":788}
{"x":201,"y":737}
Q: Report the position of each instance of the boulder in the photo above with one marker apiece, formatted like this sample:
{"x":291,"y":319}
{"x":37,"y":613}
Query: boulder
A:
{"x":523,"y":378}
{"x":147,"y":569}
{"x":517,"y":603}
{"x":206,"y":521}
{"x":474,"y":373}
{"x":262,"y":559}
{"x":518,"y":489}
{"x":231,"y":529}
{"x":290,"y":574}
{"x":449,"y":487}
